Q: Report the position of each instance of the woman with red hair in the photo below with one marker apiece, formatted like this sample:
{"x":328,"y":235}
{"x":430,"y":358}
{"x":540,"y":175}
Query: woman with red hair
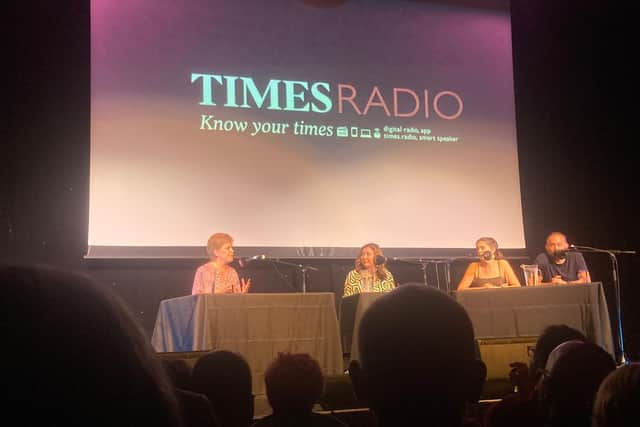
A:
{"x":217,"y":276}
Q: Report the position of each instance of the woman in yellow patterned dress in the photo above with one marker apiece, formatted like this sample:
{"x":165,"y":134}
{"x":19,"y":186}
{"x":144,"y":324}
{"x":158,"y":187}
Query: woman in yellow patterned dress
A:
{"x":370,"y":274}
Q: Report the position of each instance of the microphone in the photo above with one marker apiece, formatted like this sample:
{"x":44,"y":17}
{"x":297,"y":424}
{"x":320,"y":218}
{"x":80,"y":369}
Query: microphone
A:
{"x":242,"y":262}
{"x":591,"y":249}
{"x":561,"y":254}
{"x":380,"y":259}
{"x":486,"y":255}
{"x":408,"y":261}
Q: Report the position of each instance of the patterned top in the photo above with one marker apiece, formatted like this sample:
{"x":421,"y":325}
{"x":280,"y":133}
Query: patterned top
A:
{"x":208,"y":280}
{"x":357,"y":282}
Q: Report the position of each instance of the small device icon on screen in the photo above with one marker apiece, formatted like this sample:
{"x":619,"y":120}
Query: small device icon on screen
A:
{"x":354,"y":131}
{"x":342,"y":131}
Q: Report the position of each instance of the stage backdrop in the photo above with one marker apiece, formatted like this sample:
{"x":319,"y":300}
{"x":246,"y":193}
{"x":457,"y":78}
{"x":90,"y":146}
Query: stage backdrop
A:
{"x":301,"y":130}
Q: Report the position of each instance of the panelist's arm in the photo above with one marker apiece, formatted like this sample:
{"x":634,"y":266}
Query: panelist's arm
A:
{"x":466,"y":280}
{"x":350,"y":284}
{"x":583,"y":277}
{"x":583,"y":271}
{"x":198,"y":286}
{"x":512,"y":279}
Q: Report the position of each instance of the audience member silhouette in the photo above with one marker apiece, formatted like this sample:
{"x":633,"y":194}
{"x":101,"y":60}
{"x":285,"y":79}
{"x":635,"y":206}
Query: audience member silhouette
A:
{"x":523,"y":407}
{"x":571,"y":380}
{"x":294,"y":384}
{"x":85,"y":360}
{"x":551,"y":337}
{"x":195,"y":408}
{"x":418,"y":361}
{"x":179,"y":372}
{"x":617,"y":402}
{"x":225,"y":378}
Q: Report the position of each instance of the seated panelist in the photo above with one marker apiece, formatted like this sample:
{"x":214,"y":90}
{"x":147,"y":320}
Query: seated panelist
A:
{"x":217,"y":276}
{"x":559,"y":265}
{"x":370,"y":273}
{"x":491,"y":271}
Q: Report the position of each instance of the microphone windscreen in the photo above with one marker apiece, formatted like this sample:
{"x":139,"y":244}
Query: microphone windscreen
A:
{"x":242,"y":262}
{"x":560,"y":254}
{"x":380,"y":259}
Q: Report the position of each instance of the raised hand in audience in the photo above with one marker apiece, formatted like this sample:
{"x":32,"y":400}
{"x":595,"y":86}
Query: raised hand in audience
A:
{"x":520,"y":378}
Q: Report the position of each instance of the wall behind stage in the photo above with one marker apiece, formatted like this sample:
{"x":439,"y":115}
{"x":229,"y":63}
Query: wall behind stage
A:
{"x":576,"y":163}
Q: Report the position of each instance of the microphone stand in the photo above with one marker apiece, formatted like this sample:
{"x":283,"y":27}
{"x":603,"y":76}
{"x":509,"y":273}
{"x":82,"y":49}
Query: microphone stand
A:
{"x":303,"y":269}
{"x":424,"y":263}
{"x":616,"y":287}
{"x":446,"y":262}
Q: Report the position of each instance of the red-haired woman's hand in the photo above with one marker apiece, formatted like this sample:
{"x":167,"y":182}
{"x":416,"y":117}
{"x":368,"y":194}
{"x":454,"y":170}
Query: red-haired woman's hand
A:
{"x":245,"y":285}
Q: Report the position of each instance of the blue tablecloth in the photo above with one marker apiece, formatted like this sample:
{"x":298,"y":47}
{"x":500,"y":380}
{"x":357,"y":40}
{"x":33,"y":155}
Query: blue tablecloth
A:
{"x":257,"y":326}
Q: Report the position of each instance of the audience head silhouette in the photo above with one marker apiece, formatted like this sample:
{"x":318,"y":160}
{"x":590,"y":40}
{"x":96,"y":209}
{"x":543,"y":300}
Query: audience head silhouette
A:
{"x":179,"y":372}
{"x":551,"y":337}
{"x":418,"y":358}
{"x":573,"y":374}
{"x":618,"y":399}
{"x":195,"y":408}
{"x":294,"y":383}
{"x":225,"y":378}
{"x":523,"y":408}
{"x":86,"y":360}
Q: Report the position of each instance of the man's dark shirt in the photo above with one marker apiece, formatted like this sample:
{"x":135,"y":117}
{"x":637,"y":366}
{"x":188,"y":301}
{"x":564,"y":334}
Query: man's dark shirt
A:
{"x":567,"y":270}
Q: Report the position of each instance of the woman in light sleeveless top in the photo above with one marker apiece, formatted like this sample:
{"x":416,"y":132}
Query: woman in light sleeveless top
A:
{"x":492,"y":271}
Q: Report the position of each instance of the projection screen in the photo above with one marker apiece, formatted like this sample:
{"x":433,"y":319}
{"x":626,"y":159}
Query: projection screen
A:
{"x":301,"y":128}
